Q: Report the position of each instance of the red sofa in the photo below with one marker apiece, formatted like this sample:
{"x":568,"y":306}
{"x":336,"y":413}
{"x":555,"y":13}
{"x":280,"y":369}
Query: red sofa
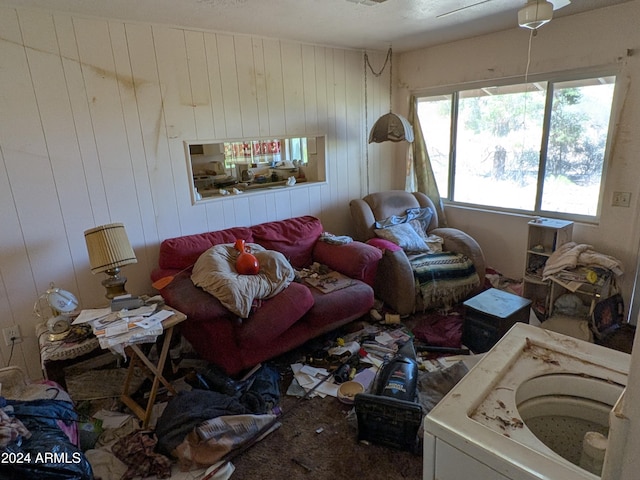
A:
{"x":280,"y":323}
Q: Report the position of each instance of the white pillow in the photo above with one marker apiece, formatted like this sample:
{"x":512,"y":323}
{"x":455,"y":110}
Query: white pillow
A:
{"x":405,"y":236}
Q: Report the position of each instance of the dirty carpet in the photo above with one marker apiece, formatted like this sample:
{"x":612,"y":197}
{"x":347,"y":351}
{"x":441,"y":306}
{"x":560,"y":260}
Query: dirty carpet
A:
{"x":317,"y":442}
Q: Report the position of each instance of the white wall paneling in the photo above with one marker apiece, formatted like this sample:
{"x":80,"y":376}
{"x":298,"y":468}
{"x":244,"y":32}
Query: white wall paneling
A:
{"x":94,"y":116}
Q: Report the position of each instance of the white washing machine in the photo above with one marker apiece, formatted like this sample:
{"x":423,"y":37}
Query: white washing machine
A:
{"x":522,"y":412}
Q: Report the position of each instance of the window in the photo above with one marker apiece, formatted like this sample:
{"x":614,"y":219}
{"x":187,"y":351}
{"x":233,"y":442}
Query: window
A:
{"x":536,"y":147}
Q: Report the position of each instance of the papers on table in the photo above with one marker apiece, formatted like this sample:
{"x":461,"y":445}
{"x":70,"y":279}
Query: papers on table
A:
{"x":139,"y":325}
{"x":91,"y":314}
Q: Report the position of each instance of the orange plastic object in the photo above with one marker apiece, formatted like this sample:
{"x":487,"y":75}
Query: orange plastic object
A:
{"x":246,"y":263}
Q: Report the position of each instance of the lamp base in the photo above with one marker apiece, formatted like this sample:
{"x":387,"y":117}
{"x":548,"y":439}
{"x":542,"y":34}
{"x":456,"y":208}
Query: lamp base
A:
{"x":114,"y":283}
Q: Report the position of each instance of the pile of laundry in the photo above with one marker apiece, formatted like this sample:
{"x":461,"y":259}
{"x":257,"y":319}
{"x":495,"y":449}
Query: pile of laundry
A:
{"x":571,"y":255}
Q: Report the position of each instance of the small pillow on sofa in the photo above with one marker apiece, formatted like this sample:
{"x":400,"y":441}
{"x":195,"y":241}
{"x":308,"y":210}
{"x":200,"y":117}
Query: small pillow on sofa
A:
{"x":405,"y":236}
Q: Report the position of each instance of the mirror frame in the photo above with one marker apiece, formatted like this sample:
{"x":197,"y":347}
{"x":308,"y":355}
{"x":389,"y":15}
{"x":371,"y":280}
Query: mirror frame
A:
{"x":312,"y":173}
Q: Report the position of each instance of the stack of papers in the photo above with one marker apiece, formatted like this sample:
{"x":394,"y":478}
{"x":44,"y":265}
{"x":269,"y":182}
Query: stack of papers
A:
{"x":126,"y":327}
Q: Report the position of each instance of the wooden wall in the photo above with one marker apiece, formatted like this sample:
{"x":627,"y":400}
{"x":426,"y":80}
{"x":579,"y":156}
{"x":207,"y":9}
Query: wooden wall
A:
{"x":93,"y":118}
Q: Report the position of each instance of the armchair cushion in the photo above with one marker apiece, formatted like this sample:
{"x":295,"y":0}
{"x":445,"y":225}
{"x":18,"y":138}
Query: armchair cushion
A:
{"x":423,"y":215}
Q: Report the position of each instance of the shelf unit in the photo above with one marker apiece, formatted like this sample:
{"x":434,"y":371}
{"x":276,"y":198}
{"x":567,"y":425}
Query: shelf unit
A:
{"x":590,"y":293}
{"x":545,"y":235}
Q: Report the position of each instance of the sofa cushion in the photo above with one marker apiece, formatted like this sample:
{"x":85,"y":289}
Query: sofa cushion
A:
{"x":294,"y":237}
{"x":276,"y":315}
{"x":353,"y":302}
{"x":182,"y":252}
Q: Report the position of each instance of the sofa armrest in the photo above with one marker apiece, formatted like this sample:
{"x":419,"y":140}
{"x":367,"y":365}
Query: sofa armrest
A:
{"x":459,"y":242}
{"x":354,"y":259}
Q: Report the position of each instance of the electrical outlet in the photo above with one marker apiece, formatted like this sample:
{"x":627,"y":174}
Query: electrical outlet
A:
{"x":12,"y":332}
{"x":621,"y":199}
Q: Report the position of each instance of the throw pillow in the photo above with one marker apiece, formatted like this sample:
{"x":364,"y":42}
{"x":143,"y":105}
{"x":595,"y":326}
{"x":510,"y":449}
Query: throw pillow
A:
{"x":405,"y":236}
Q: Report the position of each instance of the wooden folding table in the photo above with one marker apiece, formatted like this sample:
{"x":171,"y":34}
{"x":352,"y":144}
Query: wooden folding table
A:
{"x":156,"y":370}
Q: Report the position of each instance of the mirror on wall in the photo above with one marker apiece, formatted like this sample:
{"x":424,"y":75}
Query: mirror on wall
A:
{"x":222,"y":168}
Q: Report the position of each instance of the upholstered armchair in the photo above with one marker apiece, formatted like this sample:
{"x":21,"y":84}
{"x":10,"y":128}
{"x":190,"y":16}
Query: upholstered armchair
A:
{"x":396,"y":283}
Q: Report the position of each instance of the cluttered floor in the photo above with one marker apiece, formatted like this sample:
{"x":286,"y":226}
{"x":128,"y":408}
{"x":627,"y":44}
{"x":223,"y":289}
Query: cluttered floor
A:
{"x":288,"y":417}
{"x":295,"y":404}
{"x":296,"y":416}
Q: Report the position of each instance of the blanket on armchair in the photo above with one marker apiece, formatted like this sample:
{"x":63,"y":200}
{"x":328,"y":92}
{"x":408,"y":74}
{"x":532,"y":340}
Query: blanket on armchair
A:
{"x":443,"y":278}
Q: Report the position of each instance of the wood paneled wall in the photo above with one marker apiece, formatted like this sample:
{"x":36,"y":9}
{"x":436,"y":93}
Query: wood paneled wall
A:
{"x":93,"y":118}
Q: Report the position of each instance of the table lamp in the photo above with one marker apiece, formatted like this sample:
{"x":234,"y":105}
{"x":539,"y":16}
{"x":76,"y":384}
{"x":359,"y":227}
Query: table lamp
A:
{"x":109,"y":249}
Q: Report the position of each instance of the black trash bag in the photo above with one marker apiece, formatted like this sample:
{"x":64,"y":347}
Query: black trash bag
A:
{"x":47,"y":454}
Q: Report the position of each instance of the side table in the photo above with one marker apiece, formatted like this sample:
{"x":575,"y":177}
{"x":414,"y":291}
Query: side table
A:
{"x":57,"y":355}
{"x":489,"y":315}
{"x":156,"y":370}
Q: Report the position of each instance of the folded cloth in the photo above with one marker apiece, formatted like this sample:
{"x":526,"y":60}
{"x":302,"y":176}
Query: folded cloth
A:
{"x":335,"y":239}
{"x":571,"y":254}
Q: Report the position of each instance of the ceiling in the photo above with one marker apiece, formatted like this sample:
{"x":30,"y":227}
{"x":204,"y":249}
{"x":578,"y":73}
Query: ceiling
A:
{"x":360,"y":24}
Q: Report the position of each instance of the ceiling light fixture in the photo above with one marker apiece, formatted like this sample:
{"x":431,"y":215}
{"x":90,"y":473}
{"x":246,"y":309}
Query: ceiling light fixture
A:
{"x":390,"y":126}
{"x":535,"y":14}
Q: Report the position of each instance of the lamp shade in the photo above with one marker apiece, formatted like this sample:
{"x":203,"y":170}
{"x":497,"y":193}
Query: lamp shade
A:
{"x":391,"y":128}
{"x":108,"y":247}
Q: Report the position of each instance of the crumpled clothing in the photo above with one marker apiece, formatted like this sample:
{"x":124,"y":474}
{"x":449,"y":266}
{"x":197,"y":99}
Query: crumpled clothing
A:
{"x":11,"y":428}
{"x":137,"y":451}
{"x":187,"y":410}
{"x":571,"y":254}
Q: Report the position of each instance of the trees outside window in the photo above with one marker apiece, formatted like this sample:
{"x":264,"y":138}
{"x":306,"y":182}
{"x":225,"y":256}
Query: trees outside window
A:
{"x":537,"y":147}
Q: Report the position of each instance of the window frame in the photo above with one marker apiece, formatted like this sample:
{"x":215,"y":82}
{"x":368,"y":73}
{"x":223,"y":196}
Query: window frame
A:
{"x":551,"y":79}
